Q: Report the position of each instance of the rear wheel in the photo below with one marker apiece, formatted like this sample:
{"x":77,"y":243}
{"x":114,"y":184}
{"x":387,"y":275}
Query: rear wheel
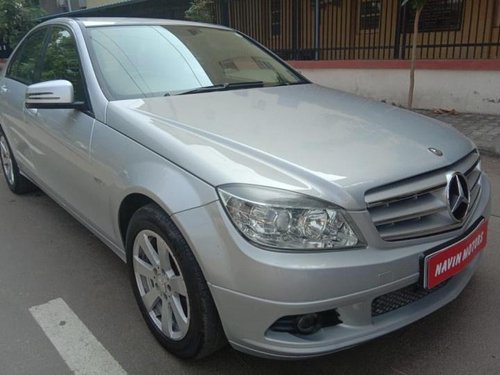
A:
{"x":169,"y":286}
{"x":16,"y":182}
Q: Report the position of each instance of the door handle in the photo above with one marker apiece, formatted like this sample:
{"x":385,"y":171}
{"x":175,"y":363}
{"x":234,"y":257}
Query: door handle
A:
{"x":3,"y":89}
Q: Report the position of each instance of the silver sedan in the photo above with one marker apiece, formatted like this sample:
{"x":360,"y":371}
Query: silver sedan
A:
{"x":250,"y":205}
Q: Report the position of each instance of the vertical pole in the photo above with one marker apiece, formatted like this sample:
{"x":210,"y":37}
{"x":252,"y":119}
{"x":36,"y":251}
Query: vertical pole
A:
{"x":225,"y":14}
{"x":402,"y":54}
{"x":295,"y":26}
{"x":397,"y":39}
{"x":316,"y":29}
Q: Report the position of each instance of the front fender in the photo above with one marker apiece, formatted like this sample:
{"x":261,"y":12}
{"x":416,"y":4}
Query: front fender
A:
{"x":123,"y":167}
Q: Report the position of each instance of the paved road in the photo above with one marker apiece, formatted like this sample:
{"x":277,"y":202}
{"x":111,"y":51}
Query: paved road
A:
{"x":46,"y":255}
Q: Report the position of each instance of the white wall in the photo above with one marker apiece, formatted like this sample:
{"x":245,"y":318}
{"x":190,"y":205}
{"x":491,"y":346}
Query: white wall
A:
{"x":464,"y":91}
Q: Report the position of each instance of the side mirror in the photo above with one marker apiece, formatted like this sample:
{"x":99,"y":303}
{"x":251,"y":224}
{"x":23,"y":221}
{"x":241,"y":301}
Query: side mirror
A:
{"x":57,"y":94}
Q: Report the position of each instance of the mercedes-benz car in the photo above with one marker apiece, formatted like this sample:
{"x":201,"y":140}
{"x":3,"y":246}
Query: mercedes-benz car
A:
{"x":250,"y":205}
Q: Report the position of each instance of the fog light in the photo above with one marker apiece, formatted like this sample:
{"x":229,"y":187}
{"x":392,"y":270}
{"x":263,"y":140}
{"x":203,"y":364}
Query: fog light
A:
{"x":307,"y":324}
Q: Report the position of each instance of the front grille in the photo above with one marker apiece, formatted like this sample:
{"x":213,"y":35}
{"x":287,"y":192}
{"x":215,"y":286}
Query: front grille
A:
{"x":401,"y":297}
{"x":417,"y":207}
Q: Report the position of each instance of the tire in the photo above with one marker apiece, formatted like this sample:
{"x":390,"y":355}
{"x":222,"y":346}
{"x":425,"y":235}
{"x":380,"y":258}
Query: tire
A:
{"x":169,"y":286}
{"x":16,"y":182}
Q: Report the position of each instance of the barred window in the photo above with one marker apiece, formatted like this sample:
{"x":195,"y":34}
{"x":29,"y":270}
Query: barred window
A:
{"x":369,"y":14}
{"x":336,"y":3}
{"x":275,"y":17}
{"x":437,"y":15}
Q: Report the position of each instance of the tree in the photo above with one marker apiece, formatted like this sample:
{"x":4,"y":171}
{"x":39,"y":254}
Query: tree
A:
{"x":17,"y":17}
{"x":417,"y":5}
{"x":201,"y":11}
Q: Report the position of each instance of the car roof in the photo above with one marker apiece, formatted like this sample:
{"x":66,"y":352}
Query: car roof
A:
{"x":129,"y":21}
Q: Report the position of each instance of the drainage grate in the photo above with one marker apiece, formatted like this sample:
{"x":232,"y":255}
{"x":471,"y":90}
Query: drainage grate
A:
{"x":401,"y":297}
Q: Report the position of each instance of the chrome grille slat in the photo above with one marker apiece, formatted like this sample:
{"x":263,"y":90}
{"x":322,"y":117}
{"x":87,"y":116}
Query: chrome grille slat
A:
{"x":473,"y":178}
{"x":470,"y":162}
{"x":417,"y":207}
{"x":411,"y":195}
{"x":474,"y":166}
{"x":419,"y":228}
{"x":392,"y":195}
{"x":474,"y":195}
{"x":406,"y":209}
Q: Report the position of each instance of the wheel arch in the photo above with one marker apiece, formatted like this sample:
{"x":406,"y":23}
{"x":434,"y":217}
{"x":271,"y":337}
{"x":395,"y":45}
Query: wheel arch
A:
{"x":128,"y":206}
{"x":2,"y":128}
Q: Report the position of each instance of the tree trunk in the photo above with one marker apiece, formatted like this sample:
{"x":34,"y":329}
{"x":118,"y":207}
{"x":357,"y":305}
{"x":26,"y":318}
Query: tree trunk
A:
{"x":413,"y":58}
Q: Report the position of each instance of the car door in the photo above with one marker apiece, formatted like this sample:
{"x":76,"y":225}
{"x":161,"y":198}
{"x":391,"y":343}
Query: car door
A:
{"x":60,"y":138}
{"x":22,"y":71}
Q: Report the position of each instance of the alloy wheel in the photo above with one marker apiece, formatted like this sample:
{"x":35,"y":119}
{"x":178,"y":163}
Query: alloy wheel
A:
{"x":161,"y":284}
{"x":8,"y":168}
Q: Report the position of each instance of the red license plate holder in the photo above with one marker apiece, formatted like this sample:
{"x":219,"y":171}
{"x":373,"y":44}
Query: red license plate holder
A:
{"x":439,"y":265}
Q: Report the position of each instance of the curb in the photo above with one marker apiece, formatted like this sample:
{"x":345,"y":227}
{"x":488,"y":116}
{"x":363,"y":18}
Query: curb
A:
{"x":488,"y":152}
{"x":493,"y":151}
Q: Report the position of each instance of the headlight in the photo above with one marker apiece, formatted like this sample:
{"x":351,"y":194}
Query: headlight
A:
{"x":287,"y":220}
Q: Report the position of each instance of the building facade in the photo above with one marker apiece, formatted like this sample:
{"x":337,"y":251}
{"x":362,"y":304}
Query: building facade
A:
{"x":100,"y":3}
{"x":61,"y":6}
{"x":173,"y":9}
{"x":367,"y":29}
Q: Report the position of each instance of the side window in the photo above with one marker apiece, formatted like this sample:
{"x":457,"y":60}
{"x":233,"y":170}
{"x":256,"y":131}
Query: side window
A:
{"x":61,"y":61}
{"x":24,"y":63}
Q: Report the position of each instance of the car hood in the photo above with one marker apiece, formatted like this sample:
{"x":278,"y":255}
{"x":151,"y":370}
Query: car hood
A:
{"x":306,"y":138}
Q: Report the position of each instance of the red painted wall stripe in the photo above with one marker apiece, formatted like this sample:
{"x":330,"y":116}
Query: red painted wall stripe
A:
{"x":392,"y":64}
{"x":399,"y":64}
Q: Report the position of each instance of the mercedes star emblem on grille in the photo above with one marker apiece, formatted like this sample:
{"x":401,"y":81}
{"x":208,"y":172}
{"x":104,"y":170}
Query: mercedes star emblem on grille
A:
{"x":458,"y":196}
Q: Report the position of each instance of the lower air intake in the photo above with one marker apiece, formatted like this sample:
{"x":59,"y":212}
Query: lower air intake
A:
{"x":400,"y":298}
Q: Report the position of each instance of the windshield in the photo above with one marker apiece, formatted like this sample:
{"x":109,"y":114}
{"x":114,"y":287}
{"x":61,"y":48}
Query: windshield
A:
{"x":151,"y":60}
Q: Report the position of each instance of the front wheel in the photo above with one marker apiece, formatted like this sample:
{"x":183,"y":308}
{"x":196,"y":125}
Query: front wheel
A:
{"x":17,"y":183}
{"x":169,"y":286}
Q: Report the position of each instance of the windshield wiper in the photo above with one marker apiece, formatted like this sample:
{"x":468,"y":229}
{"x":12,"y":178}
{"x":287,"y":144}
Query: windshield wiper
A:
{"x":223,"y":87}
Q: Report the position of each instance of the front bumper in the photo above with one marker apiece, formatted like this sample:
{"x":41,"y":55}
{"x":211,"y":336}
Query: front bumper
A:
{"x":253,"y":287}
{"x":355,"y":309}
